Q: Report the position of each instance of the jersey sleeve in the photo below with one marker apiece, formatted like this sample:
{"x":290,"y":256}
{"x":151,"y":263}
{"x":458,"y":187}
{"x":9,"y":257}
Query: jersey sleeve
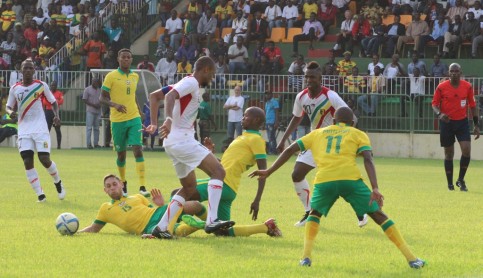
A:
{"x":305,"y":142}
{"x":364,"y":142}
{"x":258,"y":148}
{"x":101,"y":217}
{"x":298,"y":110}
{"x":336,"y":100}
{"x":437,"y":96}
{"x":186,"y":86}
{"x":47,"y":93}
{"x":11,"y":101}
{"x":107,"y":84}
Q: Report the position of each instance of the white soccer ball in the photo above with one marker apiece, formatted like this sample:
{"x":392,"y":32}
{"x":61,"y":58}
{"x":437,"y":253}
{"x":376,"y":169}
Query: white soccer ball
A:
{"x":67,"y":224}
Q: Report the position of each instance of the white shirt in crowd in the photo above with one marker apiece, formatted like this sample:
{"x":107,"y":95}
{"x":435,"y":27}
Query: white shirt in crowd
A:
{"x":173,"y":25}
{"x":272,"y":12}
{"x":165,"y":68}
{"x":235,"y":115}
{"x":371,"y":67}
{"x":417,"y":84}
{"x":290,"y":12}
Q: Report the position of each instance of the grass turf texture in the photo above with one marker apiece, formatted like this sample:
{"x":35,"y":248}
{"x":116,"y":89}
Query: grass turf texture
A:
{"x":442,"y":227}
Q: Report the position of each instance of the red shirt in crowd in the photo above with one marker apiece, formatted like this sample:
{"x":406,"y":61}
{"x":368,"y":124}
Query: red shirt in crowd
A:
{"x":452,"y":101}
{"x":31,"y":35}
{"x":59,"y":97}
{"x":271,"y":54}
{"x":148,"y":66}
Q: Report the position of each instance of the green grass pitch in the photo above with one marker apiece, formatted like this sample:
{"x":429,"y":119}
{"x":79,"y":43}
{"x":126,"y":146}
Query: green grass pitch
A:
{"x":445,"y":228}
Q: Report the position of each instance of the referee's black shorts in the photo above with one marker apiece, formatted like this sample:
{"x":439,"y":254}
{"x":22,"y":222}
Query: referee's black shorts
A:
{"x":448,"y":131}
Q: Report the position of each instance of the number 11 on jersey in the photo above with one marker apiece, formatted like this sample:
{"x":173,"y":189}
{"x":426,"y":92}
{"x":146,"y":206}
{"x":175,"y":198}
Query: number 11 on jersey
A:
{"x":330,"y":140}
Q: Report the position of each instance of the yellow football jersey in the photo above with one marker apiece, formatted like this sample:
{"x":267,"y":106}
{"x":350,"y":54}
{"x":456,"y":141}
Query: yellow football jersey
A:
{"x":122,"y":90}
{"x":334,"y":149}
{"x":132,"y":214}
{"x":241,"y":155}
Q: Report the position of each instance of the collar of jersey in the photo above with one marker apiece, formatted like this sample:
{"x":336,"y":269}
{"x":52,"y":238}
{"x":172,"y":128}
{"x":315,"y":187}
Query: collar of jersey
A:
{"x":121,"y":72}
{"x":342,"y":124}
{"x":253,"y":131}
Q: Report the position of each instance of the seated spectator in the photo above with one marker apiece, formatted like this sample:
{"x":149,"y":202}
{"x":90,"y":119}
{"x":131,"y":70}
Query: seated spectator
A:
{"x":399,"y":7}
{"x":257,"y":53}
{"x":238,"y":56}
{"x":416,"y":29}
{"x":17,"y":32}
{"x":18,"y":10}
{"x":45,"y":50}
{"x":345,"y":35}
{"x":164,"y":47}
{"x":290,"y":14}
{"x":184,"y":67}
{"x":312,"y":31}
{"x":375,"y":87}
{"x":166,"y":69}
{"x":370,"y":45}
{"x":296,"y":71}
{"x":221,"y":69}
{"x":392,"y":72}
{"x":30,"y":33}
{"x":360,"y":30}
{"x":190,"y":30}
{"x":345,"y":66}
{"x":145,"y":64}
{"x":114,"y":34}
{"x":477,"y":41}
{"x":8,"y":49}
{"x":94,"y":49}
{"x":173,"y":29}
{"x":331,"y":80}
{"x":195,"y":7}
{"x":224,"y":13}
{"x":469,"y":30}
{"x":8,"y":18}
{"x":308,"y":8}
{"x":221,"y":49}
{"x":186,"y":50}
{"x":450,"y":37}
{"x":258,"y":29}
{"x":375,"y":62}
{"x":206,"y":28}
{"x":354,"y":84}
{"x":416,"y":63}
{"x":476,"y":10}
{"x":259,"y":6}
{"x":244,"y":6}
{"x":41,"y":18}
{"x":458,"y":9}
{"x":327,"y":14}
{"x":431,"y":9}
{"x":81,"y":30}
{"x":371,"y":11}
{"x":273,"y":15}
{"x":239,"y":28}
{"x":440,"y":28}
{"x":274,"y":55}
{"x":259,"y":77}
{"x":393,"y":32}
{"x":8,"y":127}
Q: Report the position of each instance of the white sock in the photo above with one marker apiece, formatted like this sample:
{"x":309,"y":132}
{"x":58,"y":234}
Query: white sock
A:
{"x":303,"y":191}
{"x":176,"y":204}
{"x":34,"y":181}
{"x":53,"y":172}
{"x":215,"y":187}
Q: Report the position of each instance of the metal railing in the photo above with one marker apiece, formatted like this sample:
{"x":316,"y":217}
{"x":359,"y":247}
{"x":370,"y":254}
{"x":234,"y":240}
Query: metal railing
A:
{"x":396,"y":109}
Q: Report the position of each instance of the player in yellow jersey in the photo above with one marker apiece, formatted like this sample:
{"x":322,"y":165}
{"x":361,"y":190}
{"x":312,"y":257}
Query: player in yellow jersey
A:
{"x":119,"y":93}
{"x":334,"y":149}
{"x":135,"y":214}
{"x":243,"y":152}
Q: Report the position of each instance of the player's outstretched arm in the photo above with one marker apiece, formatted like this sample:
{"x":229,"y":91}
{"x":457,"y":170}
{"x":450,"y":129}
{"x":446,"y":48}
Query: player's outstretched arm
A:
{"x":255,"y":206}
{"x":93,"y":228}
{"x":154,"y":99}
{"x":170,"y":99}
{"x":371,"y":173}
{"x":158,"y":199}
{"x":282,"y":158}
{"x":294,"y":122}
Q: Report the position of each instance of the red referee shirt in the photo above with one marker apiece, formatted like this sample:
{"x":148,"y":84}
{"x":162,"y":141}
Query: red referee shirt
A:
{"x":453,"y":101}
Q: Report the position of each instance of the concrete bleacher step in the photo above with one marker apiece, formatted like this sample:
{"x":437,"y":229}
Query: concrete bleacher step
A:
{"x":330,"y":38}
{"x":318,"y":53}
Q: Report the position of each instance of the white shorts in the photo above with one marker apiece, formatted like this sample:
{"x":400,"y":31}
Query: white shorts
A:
{"x":39,"y":142}
{"x":186,"y":156}
{"x":306,"y":157}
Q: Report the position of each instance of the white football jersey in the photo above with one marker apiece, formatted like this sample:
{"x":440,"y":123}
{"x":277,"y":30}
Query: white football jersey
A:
{"x":320,"y":109}
{"x":31,"y":117}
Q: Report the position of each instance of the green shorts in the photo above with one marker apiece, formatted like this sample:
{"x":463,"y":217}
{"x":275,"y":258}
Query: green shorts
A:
{"x":356,"y":193}
{"x":127,"y":133}
{"x":227,"y":197}
{"x":155,"y":218}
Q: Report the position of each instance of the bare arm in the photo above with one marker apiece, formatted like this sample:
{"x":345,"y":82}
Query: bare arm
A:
{"x":154,"y":99}
{"x":476,"y":131}
{"x":294,"y":122}
{"x":255,"y":206}
{"x":371,"y":173}
{"x":55,"y":109}
{"x":93,"y":228}
{"x":170,"y":98}
{"x":282,"y":158}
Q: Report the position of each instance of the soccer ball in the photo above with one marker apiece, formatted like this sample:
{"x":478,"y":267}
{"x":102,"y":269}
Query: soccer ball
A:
{"x":67,"y":224}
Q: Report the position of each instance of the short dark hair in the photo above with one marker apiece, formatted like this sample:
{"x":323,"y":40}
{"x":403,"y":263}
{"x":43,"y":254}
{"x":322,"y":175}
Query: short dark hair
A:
{"x":108,"y":176}
{"x":124,"y":50}
{"x":313,"y":65}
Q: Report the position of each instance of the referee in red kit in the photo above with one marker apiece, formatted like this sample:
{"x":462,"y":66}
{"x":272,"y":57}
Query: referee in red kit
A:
{"x":450,"y":103}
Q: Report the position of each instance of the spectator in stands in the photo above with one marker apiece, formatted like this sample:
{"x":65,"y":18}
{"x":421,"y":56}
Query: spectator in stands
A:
{"x":205,"y":115}
{"x":260,"y":75}
{"x":56,"y":33}
{"x":93,"y":112}
{"x":370,"y":45}
{"x":344,"y":67}
{"x":312,"y":31}
{"x":258,"y":29}
{"x":392,"y":72}
{"x":331,"y":79}
{"x":221,"y":49}
{"x":440,"y":28}
{"x":371,"y":11}
{"x":238,"y":56}
{"x":327,"y":14}
{"x":45,"y":50}
{"x":29,"y":14}
{"x":360,"y":30}
{"x":273,"y":15}
{"x":224,"y":13}
{"x":274,"y":55}
{"x":66,"y":8}
{"x":49,"y":114}
{"x":438,"y":68}
{"x":81,"y":30}
{"x":239,"y":28}
{"x":416,"y":63}
{"x":173,"y":29}
{"x":110,"y":62}
{"x":206,"y":28}
{"x":431,"y":9}
{"x":59,"y":18}
{"x":458,"y":9}
{"x":469,"y":30}
{"x":31,"y":32}
{"x":186,"y":50}
{"x":94,"y":49}
{"x":308,"y":8}
{"x":331,"y":62}
{"x":194,"y":6}
{"x":8,"y":19}
{"x":166,"y":69}
{"x":258,"y":6}
{"x":376,"y":85}
{"x":8,"y":49}
{"x":15,"y":75}
{"x":272,"y":119}
{"x":18,"y":10}
{"x":345,"y":35}
{"x":477,"y":41}
{"x":451,"y":36}
{"x":416,"y":29}
{"x":114,"y":33}
{"x":290,"y":14}
{"x":399,"y":7}
{"x":476,"y":10}
{"x":184,"y":67}
{"x":354,"y":84}
{"x":417,"y":89}
{"x":41,"y":18}
{"x":393,"y":32}
{"x":242,"y":5}
{"x":24,"y":49}
{"x":234,"y":105}
{"x":17,"y":32}
{"x":221,"y":68}
{"x":190,"y":30}
{"x":146,"y":64}
{"x":296,"y":71}
{"x":375,"y":62}
{"x":163,"y":48}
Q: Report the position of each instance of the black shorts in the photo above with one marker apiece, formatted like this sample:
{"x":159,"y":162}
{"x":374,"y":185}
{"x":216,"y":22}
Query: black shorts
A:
{"x":448,"y":131}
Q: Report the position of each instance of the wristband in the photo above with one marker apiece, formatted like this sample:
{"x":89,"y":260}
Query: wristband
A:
{"x":439,"y":113}
{"x":475,"y":121}
{"x":168,"y":118}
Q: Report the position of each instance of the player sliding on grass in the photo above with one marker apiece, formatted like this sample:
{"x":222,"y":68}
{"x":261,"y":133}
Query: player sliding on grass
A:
{"x":181,"y":108}
{"x":135,"y":214}
{"x":335,"y":148}
{"x":243,"y":152}
{"x":319,"y":103}
{"x":33,"y":134}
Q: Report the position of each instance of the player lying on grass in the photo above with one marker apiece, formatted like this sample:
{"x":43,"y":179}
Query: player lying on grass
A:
{"x":135,"y":214}
{"x":334,"y":149}
{"x":242,"y":153}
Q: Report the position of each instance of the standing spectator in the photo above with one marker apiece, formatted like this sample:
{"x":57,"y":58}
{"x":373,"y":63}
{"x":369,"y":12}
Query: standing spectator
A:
{"x":416,"y":29}
{"x":344,"y":67}
{"x":451,"y":101}
{"x":184,"y":67}
{"x":166,"y":69}
{"x":17,"y":33}
{"x":29,"y":14}
{"x":31,"y":32}
{"x":438,"y":68}
{"x":417,"y":86}
{"x":206,"y":28}
{"x":392,"y":71}
{"x":234,"y":105}
{"x":49,"y":113}
{"x":94,"y":49}
{"x":312,"y":31}
{"x":8,"y":49}
{"x":368,"y":102}
{"x":239,"y":28}
{"x":224,"y":13}
{"x":258,"y":29}
{"x":56,"y":32}
{"x":375,"y":62}
{"x":296,"y":71}
{"x":18,"y":10}
{"x":273,"y":15}
{"x":327,"y":14}
{"x":93,"y":112}
{"x":451,"y":36}
{"x":114,"y":34}
{"x":8,"y":127}
{"x":440,"y":28}
{"x":145,"y":64}
{"x":221,"y":69}
{"x":41,"y":18}
{"x":477,"y":40}
{"x":394,"y":31}
{"x":8,"y":18}
{"x":238,"y":57}
{"x":173,"y":29}
{"x":110,"y":62}
{"x":205,"y":116}
{"x":330,"y":63}
{"x":290,"y":14}
{"x":416,"y":63}
{"x":271,"y":120}
{"x":354,"y":83}
{"x":345,"y":35}
{"x":16,"y":74}
{"x":274,"y":55}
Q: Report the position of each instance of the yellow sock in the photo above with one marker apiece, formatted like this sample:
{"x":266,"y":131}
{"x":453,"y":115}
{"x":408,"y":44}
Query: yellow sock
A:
{"x":121,"y":167}
{"x":183,"y":230}
{"x":174,"y":220}
{"x":311,"y":230}
{"x":395,"y":236}
{"x":248,"y":230}
{"x":140,"y":170}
